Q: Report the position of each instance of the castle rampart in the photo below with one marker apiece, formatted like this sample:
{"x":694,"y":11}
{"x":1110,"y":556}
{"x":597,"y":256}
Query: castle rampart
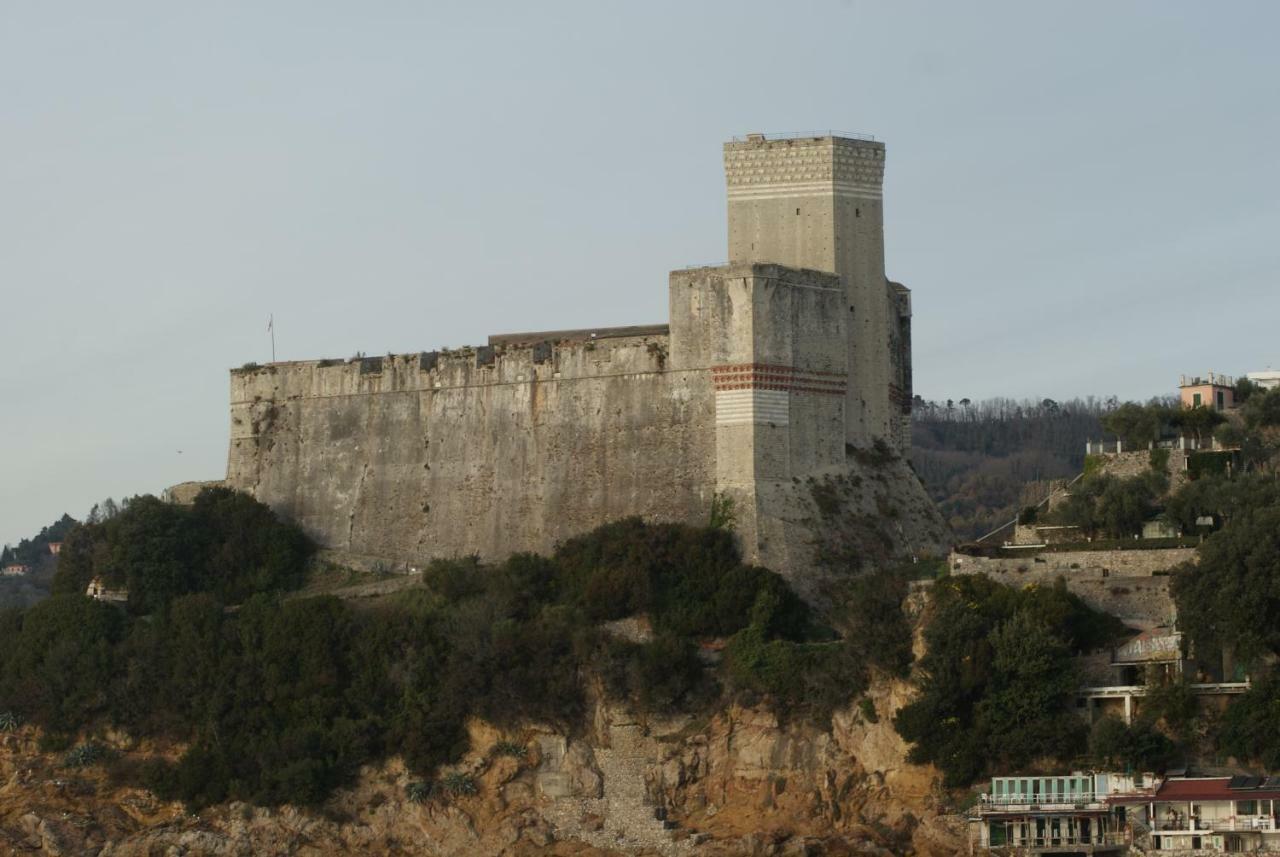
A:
{"x":536,"y":437}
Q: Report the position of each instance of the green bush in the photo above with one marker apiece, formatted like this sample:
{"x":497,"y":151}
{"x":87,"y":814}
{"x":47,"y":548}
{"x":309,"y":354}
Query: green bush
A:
{"x":85,"y":755}
{"x":227,"y":544}
{"x":455,"y":784}
{"x":1115,"y":745}
{"x":1205,"y":463}
{"x":510,"y":748}
{"x":1248,"y":729}
{"x":868,"y":709}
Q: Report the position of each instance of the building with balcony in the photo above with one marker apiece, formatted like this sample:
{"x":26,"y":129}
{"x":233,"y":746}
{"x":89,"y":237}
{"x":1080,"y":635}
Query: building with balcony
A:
{"x":1152,"y":658}
{"x":1068,"y":814}
{"x":1205,"y":815}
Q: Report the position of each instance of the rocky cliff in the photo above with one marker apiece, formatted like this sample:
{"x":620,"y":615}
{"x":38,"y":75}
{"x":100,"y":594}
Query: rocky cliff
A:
{"x":737,"y":782}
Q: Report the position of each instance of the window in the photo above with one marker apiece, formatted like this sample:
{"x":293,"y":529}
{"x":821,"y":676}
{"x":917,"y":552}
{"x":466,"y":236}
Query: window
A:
{"x":1195,"y":400}
{"x":1246,"y":807}
{"x":1221,"y":400}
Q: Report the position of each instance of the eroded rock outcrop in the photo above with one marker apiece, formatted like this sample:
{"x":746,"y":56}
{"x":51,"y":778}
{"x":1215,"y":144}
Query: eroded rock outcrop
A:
{"x":738,"y":782}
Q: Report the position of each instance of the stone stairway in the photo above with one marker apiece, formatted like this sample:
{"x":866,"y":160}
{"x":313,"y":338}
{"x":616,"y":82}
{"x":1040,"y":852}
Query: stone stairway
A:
{"x":624,"y":817}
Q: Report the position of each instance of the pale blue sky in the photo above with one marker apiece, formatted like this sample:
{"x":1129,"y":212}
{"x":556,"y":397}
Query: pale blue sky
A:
{"x":1084,"y":197}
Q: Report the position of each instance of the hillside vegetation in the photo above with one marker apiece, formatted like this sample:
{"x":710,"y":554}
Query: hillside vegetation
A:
{"x":282,"y":699}
{"x":976,"y":459}
{"x":996,"y":687}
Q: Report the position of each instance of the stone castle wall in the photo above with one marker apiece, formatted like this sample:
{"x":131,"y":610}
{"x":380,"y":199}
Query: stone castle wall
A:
{"x":519,"y":445}
{"x":433,"y":455}
{"x":774,"y":375}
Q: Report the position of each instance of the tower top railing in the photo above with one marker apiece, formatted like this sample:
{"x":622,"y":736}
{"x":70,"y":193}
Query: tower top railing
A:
{"x":803,"y":135}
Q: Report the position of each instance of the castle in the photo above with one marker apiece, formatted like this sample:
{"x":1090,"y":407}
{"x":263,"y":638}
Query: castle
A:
{"x":781,"y":370}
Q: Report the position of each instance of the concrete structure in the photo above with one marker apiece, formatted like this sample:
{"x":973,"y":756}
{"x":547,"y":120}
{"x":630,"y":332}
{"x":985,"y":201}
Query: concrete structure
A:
{"x":55,"y":548}
{"x":1214,"y":391}
{"x":786,"y":369}
{"x":1062,"y":814}
{"x":1269,"y":380}
{"x":1152,"y":658}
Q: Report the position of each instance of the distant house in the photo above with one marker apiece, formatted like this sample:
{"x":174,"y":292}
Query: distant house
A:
{"x":98,"y":591}
{"x":55,"y":548}
{"x":15,"y":569}
{"x":1214,"y":391}
{"x":1268,"y":380}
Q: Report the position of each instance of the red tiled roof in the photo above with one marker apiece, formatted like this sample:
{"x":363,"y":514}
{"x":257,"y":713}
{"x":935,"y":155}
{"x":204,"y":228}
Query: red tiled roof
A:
{"x":1211,"y":789}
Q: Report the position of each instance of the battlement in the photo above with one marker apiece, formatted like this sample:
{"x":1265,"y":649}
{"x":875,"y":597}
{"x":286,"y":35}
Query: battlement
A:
{"x":760,"y":168}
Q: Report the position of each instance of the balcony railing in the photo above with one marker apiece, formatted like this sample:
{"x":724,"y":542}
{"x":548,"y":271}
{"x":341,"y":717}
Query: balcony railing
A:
{"x":1202,"y":825}
{"x":1056,"y":798}
{"x":1055,"y":841}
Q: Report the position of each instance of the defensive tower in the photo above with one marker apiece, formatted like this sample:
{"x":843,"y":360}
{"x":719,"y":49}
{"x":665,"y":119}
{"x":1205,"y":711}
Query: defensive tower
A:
{"x":776,"y":375}
{"x":817,"y":202}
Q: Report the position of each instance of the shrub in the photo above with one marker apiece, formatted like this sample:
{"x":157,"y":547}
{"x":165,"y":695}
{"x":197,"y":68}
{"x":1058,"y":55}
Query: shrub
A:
{"x":1206,"y":463}
{"x":868,"y":709}
{"x":454,"y":579}
{"x":9,"y":721}
{"x":510,"y":748}
{"x":1114,"y":744}
{"x":226,"y":543}
{"x":84,"y":755}
{"x":418,"y":791}
{"x":456,"y":784}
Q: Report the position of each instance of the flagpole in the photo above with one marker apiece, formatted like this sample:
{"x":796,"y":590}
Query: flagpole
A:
{"x":271,"y":326}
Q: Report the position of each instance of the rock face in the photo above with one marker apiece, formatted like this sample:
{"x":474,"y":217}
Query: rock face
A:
{"x":739,"y":783}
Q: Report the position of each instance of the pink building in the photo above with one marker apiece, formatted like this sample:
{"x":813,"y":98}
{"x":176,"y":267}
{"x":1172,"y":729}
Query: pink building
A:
{"x":1216,"y":392}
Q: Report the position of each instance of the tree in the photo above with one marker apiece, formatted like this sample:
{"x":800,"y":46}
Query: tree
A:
{"x":1137,"y":425}
{"x":59,"y":661}
{"x":1232,"y":596}
{"x":1244,"y":390}
{"x":1263,"y":411}
{"x":1199,"y":420}
{"x":1033,"y":679}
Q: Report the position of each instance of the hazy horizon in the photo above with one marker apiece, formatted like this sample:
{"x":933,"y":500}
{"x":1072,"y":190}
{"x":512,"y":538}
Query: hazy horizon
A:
{"x":1083,"y":198}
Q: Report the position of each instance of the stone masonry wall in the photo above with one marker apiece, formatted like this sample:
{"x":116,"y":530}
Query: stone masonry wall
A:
{"x":1125,"y":583}
{"x":1125,"y":465}
{"x":478,"y":451}
{"x":517,"y":446}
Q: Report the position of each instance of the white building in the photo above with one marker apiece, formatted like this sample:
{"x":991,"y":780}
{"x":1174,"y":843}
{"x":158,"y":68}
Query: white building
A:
{"x":1269,"y":379}
{"x":1207,"y":814}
